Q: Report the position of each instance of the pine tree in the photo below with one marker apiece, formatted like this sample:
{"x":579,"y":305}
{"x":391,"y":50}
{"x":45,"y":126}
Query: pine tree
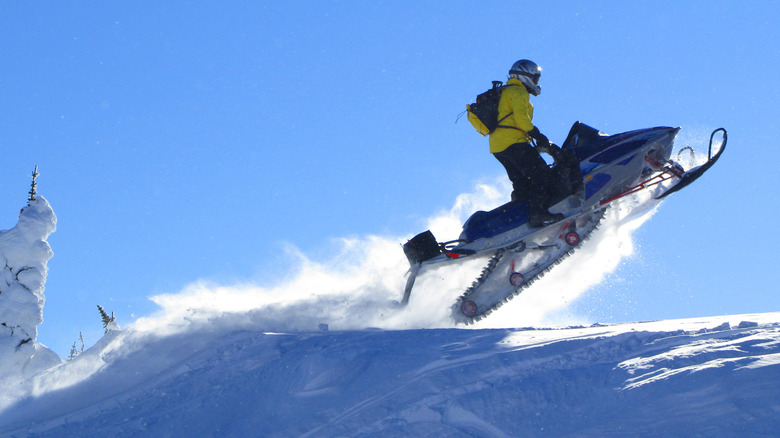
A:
{"x":33,"y":187}
{"x":107,"y":320}
{"x":74,"y":351}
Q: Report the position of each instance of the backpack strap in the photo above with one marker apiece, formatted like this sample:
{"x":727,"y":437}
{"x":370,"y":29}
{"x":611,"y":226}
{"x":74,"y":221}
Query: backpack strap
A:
{"x":510,"y":113}
{"x":508,"y":127}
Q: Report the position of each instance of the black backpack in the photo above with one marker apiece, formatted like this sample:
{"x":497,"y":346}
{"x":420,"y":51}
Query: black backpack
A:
{"x":483,"y":114}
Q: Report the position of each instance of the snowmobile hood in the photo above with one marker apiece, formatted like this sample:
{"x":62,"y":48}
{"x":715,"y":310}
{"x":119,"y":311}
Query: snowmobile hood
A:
{"x":596,"y":147}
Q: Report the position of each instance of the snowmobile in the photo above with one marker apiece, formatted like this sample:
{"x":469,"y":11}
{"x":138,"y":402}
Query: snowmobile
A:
{"x":601,"y":169}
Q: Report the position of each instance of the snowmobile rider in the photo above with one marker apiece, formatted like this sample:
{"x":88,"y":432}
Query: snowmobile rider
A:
{"x":510,"y":143}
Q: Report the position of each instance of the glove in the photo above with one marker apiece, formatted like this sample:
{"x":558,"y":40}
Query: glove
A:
{"x":555,"y":151}
{"x":542,"y":143}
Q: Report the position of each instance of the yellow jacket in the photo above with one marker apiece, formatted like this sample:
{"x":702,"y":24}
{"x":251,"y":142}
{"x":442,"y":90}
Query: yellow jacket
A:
{"x":512,"y":129}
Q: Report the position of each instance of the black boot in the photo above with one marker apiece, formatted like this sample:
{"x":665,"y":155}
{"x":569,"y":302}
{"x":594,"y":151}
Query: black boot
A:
{"x":540,"y":216}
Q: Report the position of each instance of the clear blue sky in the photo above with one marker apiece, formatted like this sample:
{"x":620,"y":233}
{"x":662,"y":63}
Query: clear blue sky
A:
{"x":186,"y":140}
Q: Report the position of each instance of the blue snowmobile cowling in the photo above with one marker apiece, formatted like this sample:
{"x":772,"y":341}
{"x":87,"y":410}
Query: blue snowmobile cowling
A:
{"x":591,"y":171}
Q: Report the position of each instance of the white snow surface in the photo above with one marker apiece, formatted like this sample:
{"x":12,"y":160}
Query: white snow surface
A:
{"x":699,"y":377}
{"x":329,"y":352}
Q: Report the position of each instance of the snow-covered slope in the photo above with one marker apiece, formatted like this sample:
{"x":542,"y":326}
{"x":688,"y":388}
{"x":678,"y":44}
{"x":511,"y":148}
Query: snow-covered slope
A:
{"x":706,"y":377}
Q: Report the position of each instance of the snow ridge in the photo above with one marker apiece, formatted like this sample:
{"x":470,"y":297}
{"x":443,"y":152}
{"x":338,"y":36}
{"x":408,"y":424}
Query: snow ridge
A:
{"x":700,"y":377}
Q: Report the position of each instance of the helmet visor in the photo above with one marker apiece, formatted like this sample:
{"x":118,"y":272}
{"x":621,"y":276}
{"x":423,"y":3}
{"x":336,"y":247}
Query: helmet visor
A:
{"x":534,"y":77}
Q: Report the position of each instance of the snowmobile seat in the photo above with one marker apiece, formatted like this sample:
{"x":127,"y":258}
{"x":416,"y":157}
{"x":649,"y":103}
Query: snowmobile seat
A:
{"x":494,"y":222}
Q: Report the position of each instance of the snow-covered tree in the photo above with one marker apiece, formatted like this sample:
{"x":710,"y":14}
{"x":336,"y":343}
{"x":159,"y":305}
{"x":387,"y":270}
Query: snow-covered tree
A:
{"x":24,"y":254}
{"x":75,"y":350}
{"x":109,"y":322}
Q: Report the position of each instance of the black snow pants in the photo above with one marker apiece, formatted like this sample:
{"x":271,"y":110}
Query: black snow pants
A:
{"x":530,"y":175}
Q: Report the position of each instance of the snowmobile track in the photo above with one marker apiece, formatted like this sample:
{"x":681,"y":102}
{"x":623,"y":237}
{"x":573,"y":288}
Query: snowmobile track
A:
{"x":493,"y":262}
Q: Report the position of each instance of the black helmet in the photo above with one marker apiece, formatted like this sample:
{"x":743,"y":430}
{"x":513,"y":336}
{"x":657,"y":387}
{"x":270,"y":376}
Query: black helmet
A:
{"x":528,"y":73}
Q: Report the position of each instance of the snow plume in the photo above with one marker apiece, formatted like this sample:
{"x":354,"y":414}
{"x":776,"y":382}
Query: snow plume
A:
{"x":24,"y":254}
{"x":360,"y":286}
{"x":599,"y":256}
